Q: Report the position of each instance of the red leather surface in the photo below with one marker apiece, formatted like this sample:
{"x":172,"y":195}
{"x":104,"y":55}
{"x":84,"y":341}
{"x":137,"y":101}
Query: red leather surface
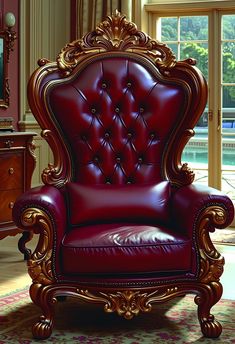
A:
{"x":118,"y":124}
{"x":124,"y":248}
{"x":188,"y":202}
{"x":186,"y":205}
{"x":122,"y":127}
{"x":51,"y":201}
{"x":102,"y":203}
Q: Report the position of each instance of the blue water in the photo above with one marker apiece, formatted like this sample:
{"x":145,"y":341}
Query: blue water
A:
{"x":202,"y":157}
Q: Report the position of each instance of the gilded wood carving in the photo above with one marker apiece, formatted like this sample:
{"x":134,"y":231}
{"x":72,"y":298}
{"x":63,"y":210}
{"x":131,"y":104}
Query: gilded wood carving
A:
{"x":118,"y":36}
{"x":39,"y":263}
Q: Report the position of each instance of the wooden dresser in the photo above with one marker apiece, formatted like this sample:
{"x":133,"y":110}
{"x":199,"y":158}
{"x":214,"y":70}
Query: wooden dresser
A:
{"x":17,"y":163}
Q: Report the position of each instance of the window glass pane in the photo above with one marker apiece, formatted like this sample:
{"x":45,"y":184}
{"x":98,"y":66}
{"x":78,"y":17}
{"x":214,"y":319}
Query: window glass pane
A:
{"x":228,"y":168}
{"x":228,"y":56}
{"x":228,"y":104}
{"x":174,"y":47}
{"x":187,"y":35}
{"x":228,"y":26}
{"x":228,"y":140}
{"x":193,"y":28}
{"x":196,"y":151}
{"x":192,"y":31}
{"x":191,"y":39}
{"x":169,"y":29}
{"x":229,"y":100}
{"x":198,"y":51}
{"x":229,"y":154}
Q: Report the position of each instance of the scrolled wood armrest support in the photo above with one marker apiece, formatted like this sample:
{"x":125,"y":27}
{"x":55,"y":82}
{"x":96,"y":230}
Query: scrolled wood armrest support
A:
{"x":198,"y":210}
{"x":39,"y":264}
{"x":42,"y":210}
{"x":211,"y":262}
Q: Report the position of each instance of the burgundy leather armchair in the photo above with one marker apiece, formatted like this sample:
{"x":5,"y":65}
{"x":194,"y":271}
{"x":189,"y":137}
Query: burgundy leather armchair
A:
{"x":119,"y":219}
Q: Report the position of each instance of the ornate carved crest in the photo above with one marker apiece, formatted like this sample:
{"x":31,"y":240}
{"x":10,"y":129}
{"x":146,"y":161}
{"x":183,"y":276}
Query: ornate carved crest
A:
{"x":115,"y":34}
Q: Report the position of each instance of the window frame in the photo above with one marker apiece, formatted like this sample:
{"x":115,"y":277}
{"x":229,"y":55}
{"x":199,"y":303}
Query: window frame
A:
{"x":215,"y":10}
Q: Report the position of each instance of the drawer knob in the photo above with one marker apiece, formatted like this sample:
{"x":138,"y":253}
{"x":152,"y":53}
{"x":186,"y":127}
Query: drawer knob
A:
{"x":9,"y":143}
{"x":11,"y":170}
{"x":11,"y":205}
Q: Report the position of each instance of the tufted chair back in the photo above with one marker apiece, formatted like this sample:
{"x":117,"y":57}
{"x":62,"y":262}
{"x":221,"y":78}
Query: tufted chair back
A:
{"x":117,"y":116}
{"x":119,"y":219}
{"x":117,"y":113}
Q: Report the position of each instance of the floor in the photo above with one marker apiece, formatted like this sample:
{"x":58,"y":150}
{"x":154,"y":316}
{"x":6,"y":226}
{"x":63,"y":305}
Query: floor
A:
{"x":13,"y":270}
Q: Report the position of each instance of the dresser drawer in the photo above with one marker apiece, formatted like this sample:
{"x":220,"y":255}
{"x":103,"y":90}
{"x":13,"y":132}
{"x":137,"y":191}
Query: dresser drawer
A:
{"x":11,"y":170}
{"x":17,"y":162}
{"x":7,"y":199}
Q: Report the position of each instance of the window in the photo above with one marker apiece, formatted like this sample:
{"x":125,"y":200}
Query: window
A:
{"x":228,"y":102}
{"x":206,"y":32}
{"x":188,"y":37}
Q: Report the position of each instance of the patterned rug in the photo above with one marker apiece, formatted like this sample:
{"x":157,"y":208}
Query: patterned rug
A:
{"x":76,"y":322}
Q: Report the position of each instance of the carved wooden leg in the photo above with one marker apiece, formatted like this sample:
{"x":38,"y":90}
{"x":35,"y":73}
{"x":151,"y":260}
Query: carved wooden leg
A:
{"x":26,"y":236}
{"x":208,"y":297}
{"x":43,"y":328}
{"x":43,"y":297}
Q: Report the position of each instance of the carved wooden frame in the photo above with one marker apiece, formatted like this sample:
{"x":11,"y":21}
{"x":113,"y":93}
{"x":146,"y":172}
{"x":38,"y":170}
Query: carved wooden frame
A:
{"x":8,"y":36}
{"x":127,"y":302}
{"x":117,"y":35}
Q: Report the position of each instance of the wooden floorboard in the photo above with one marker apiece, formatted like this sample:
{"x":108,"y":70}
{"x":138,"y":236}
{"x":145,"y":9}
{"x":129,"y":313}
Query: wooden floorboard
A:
{"x":13,"y":269}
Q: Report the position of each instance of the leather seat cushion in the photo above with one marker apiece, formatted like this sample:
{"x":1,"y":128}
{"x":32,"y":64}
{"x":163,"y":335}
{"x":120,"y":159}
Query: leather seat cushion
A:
{"x":90,"y":204}
{"x":124,"y":248}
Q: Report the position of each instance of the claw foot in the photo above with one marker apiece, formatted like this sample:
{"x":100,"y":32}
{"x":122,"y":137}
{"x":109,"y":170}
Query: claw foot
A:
{"x":211,"y":328}
{"x":42,"y":329}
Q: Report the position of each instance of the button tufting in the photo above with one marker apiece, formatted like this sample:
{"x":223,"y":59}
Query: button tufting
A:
{"x":104,"y":85}
{"x":108,"y":181}
{"x":129,"y":135}
{"x":129,"y":84}
{"x":93,"y":110}
{"x":141,"y":110}
{"x":152,"y":135}
{"x":84,"y":138}
{"x":96,"y":159}
{"x":107,"y":135}
{"x":117,"y":110}
{"x":118,"y":159}
{"x":140,"y":160}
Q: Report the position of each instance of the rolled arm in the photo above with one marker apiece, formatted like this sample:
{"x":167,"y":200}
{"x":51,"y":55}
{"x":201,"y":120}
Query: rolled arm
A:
{"x":189,"y":202}
{"x":48,"y":199}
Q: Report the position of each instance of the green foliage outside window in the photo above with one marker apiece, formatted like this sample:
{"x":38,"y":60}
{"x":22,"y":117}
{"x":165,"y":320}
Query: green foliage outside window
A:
{"x":195,"y":29}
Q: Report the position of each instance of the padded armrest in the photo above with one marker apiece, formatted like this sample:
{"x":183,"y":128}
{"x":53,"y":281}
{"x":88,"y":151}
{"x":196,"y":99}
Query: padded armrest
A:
{"x":46,"y":198}
{"x":189,"y":201}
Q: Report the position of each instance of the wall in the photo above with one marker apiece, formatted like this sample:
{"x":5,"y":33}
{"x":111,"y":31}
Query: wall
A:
{"x":44,"y":30}
{"x":13,"y":66}
{"x":132,"y":9}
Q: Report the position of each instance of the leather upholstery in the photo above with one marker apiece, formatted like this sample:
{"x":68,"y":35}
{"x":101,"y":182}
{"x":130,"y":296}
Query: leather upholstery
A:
{"x":121,"y":248}
{"x":117,"y":125}
{"x":111,"y":203}
{"x":185,"y":207}
{"x":119,"y":219}
{"x":190,"y":201}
